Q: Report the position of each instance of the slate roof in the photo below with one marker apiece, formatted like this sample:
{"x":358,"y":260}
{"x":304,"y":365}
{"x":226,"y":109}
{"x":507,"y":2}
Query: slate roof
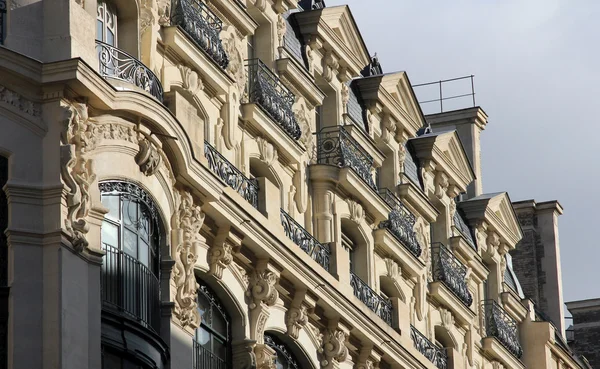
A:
{"x":292,"y":40}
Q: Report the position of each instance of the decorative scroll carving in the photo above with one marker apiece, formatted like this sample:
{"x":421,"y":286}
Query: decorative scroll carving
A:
{"x":149,"y":156}
{"x":236,"y":68}
{"x":192,"y":82}
{"x":261,"y":294}
{"x":330,"y":64}
{"x":296,"y":318}
{"x":493,"y":243}
{"x":243,"y":356}
{"x":357,"y":214}
{"x":306,"y":137}
{"x":367,"y":364}
{"x":220,"y":255}
{"x":334,"y":348}
{"x":14,"y":99}
{"x":345,"y":94}
{"x":393,"y":270}
{"x":76,"y":171}
{"x":186,"y":224}
{"x":447,"y":318}
{"x":265,"y":357}
{"x":441,"y":184}
{"x":268,"y":153}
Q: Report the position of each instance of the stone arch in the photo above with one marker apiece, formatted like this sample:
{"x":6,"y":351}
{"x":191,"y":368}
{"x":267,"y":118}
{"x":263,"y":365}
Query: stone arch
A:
{"x":445,"y":337}
{"x":302,"y":349}
{"x":361,"y":255}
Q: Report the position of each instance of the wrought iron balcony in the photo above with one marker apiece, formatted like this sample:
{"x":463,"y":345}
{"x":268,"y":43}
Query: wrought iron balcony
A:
{"x":204,"y":358}
{"x":335,"y":146}
{"x":500,"y":325}
{"x":231,"y":175}
{"x":435,"y":354}
{"x":448,"y":269}
{"x":381,"y":306}
{"x":316,"y":250}
{"x":400,"y":222}
{"x":130,"y":288}
{"x":117,"y":64}
{"x":266,"y":90}
{"x":202,"y":26}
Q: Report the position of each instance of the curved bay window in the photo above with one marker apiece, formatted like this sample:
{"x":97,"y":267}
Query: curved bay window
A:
{"x":212,"y":342}
{"x":284,"y":359}
{"x":130,"y":237}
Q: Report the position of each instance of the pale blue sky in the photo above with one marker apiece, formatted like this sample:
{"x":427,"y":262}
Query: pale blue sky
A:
{"x":536,"y":75}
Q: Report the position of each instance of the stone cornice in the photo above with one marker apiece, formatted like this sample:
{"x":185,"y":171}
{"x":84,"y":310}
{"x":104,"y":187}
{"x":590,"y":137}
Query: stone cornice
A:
{"x":416,"y":199}
{"x":236,"y":15}
{"x":300,"y":80}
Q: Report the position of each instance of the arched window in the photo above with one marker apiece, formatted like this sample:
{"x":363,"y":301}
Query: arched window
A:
{"x":212,"y":347}
{"x":131,"y":237}
{"x":284,"y":359}
{"x":106,"y":23}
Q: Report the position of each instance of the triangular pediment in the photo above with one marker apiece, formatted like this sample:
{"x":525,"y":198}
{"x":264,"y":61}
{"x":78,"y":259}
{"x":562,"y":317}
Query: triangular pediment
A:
{"x":340,"y":20}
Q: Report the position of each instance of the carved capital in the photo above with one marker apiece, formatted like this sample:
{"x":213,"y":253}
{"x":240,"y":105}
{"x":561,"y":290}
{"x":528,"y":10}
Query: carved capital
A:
{"x":260,"y":295}
{"x":220,"y":254}
{"x":243,"y":356}
{"x":265,"y":357}
{"x":296,"y":316}
{"x":186,"y":223}
{"x":334,"y":348}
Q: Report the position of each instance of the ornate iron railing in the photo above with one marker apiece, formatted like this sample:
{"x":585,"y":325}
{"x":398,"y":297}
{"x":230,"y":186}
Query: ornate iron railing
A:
{"x":266,"y":90}
{"x":316,"y":250}
{"x":128,"y":286}
{"x":500,"y":325}
{"x":400,"y":222}
{"x":231,"y":175}
{"x":117,"y":64}
{"x":464,"y":230}
{"x":447,"y":269}
{"x":335,"y":146}
{"x":202,"y":25}
{"x":433,"y":353}
{"x":381,"y":306}
{"x":205,"y":359}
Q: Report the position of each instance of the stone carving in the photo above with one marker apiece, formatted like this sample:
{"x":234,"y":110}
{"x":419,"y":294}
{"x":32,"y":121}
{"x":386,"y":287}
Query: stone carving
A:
{"x":13,"y":99}
{"x":281,"y":28}
{"x":268,"y":152}
{"x":76,"y":171}
{"x":240,"y":273}
{"x":164,"y":12}
{"x":307,"y":137}
{"x":316,"y":333}
{"x":146,"y":16}
{"x":259,"y":4}
{"x":447,"y":318}
{"x":493,"y":242}
{"x":265,"y":357}
{"x":388,"y":128}
{"x":236,"y":67}
{"x":192,"y":82}
{"x":393,"y":270}
{"x":186,"y":224}
{"x":261,"y":294}
{"x":334,"y":348}
{"x":309,"y":58}
{"x":345,"y":97}
{"x":243,"y":355}
{"x":296,"y":318}
{"x":367,"y":364}
{"x":357,"y":213}
{"x":441,"y":184}
{"x":220,"y":255}
{"x":329,"y":64}
{"x":149,"y":156}
{"x":113,"y":131}
{"x":502,"y":266}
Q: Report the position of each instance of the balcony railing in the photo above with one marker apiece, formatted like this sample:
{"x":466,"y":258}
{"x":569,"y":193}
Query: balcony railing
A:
{"x":379,"y":305}
{"x":449,"y":270}
{"x":202,"y":26}
{"x":316,"y":250}
{"x":335,"y":146}
{"x":231,"y":175}
{"x":130,"y":287}
{"x":266,"y":90}
{"x":500,"y":325}
{"x":400,"y":222}
{"x":435,"y":354}
{"x":204,"y":359}
{"x":117,"y":64}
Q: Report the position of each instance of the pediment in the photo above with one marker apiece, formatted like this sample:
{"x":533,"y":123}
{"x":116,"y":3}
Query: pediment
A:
{"x":341,"y":21}
{"x":446,"y":150}
{"x":496,"y":209}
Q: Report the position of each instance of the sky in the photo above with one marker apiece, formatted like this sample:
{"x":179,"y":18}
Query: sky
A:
{"x":536,"y":76}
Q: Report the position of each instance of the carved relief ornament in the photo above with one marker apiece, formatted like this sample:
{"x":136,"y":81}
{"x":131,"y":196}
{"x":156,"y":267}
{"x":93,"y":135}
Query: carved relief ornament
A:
{"x":220,"y":254}
{"x":261,"y":294}
{"x":149,"y":156}
{"x":186,"y":224}
{"x":357,"y":214}
{"x":268,"y":152}
{"x":334,"y":348}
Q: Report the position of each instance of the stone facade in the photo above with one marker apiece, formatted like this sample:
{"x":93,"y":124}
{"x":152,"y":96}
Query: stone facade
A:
{"x":221,"y":184}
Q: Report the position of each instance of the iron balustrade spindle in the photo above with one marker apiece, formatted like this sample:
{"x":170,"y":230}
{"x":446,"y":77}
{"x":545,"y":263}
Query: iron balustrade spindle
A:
{"x":130,"y":287}
{"x":335,"y":146}
{"x":379,"y":305}
{"x":231,"y":175}
{"x":202,"y":26}
{"x":400,"y":222}
{"x":502,"y":326}
{"x":266,"y":90}
{"x":447,"y":269}
{"x":433,"y":353}
{"x":204,"y":359}
{"x":117,"y":64}
{"x":316,"y":250}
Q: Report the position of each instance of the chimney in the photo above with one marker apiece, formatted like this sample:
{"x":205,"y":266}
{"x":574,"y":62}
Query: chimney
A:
{"x":536,"y":259}
{"x":586,"y":329}
{"x":468,"y":123}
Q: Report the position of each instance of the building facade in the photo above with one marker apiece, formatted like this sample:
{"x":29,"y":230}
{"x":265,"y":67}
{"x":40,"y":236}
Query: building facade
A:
{"x":237,"y":184}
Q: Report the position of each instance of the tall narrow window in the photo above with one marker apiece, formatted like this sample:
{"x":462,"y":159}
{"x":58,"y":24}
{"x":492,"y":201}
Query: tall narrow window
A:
{"x":130,"y":237}
{"x":213,"y":339}
{"x":106,"y":23}
{"x":284,"y":359}
{"x":349,"y":245}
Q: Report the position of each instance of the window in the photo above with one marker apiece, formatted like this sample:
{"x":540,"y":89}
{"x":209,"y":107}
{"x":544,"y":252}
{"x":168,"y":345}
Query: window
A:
{"x":130,"y":237}
{"x":251,"y":47}
{"x":349,"y":245}
{"x":213,"y":339}
{"x":106,"y":23}
{"x":284,"y":359}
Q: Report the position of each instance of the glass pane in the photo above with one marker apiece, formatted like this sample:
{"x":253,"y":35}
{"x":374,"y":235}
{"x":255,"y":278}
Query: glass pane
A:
{"x":99,"y":29}
{"x":112,"y":204}
{"x":143,"y":256}
{"x":218,"y":323}
{"x":110,"y":38}
{"x":130,"y":243}
{"x":219,"y":348}
{"x":203,"y":305}
{"x":130,"y":213}
{"x":144,"y":225}
{"x":110,"y":234}
{"x":202,"y":336}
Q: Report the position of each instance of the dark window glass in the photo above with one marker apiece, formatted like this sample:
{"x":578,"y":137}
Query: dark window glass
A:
{"x":284,"y":359}
{"x":212,"y":341}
